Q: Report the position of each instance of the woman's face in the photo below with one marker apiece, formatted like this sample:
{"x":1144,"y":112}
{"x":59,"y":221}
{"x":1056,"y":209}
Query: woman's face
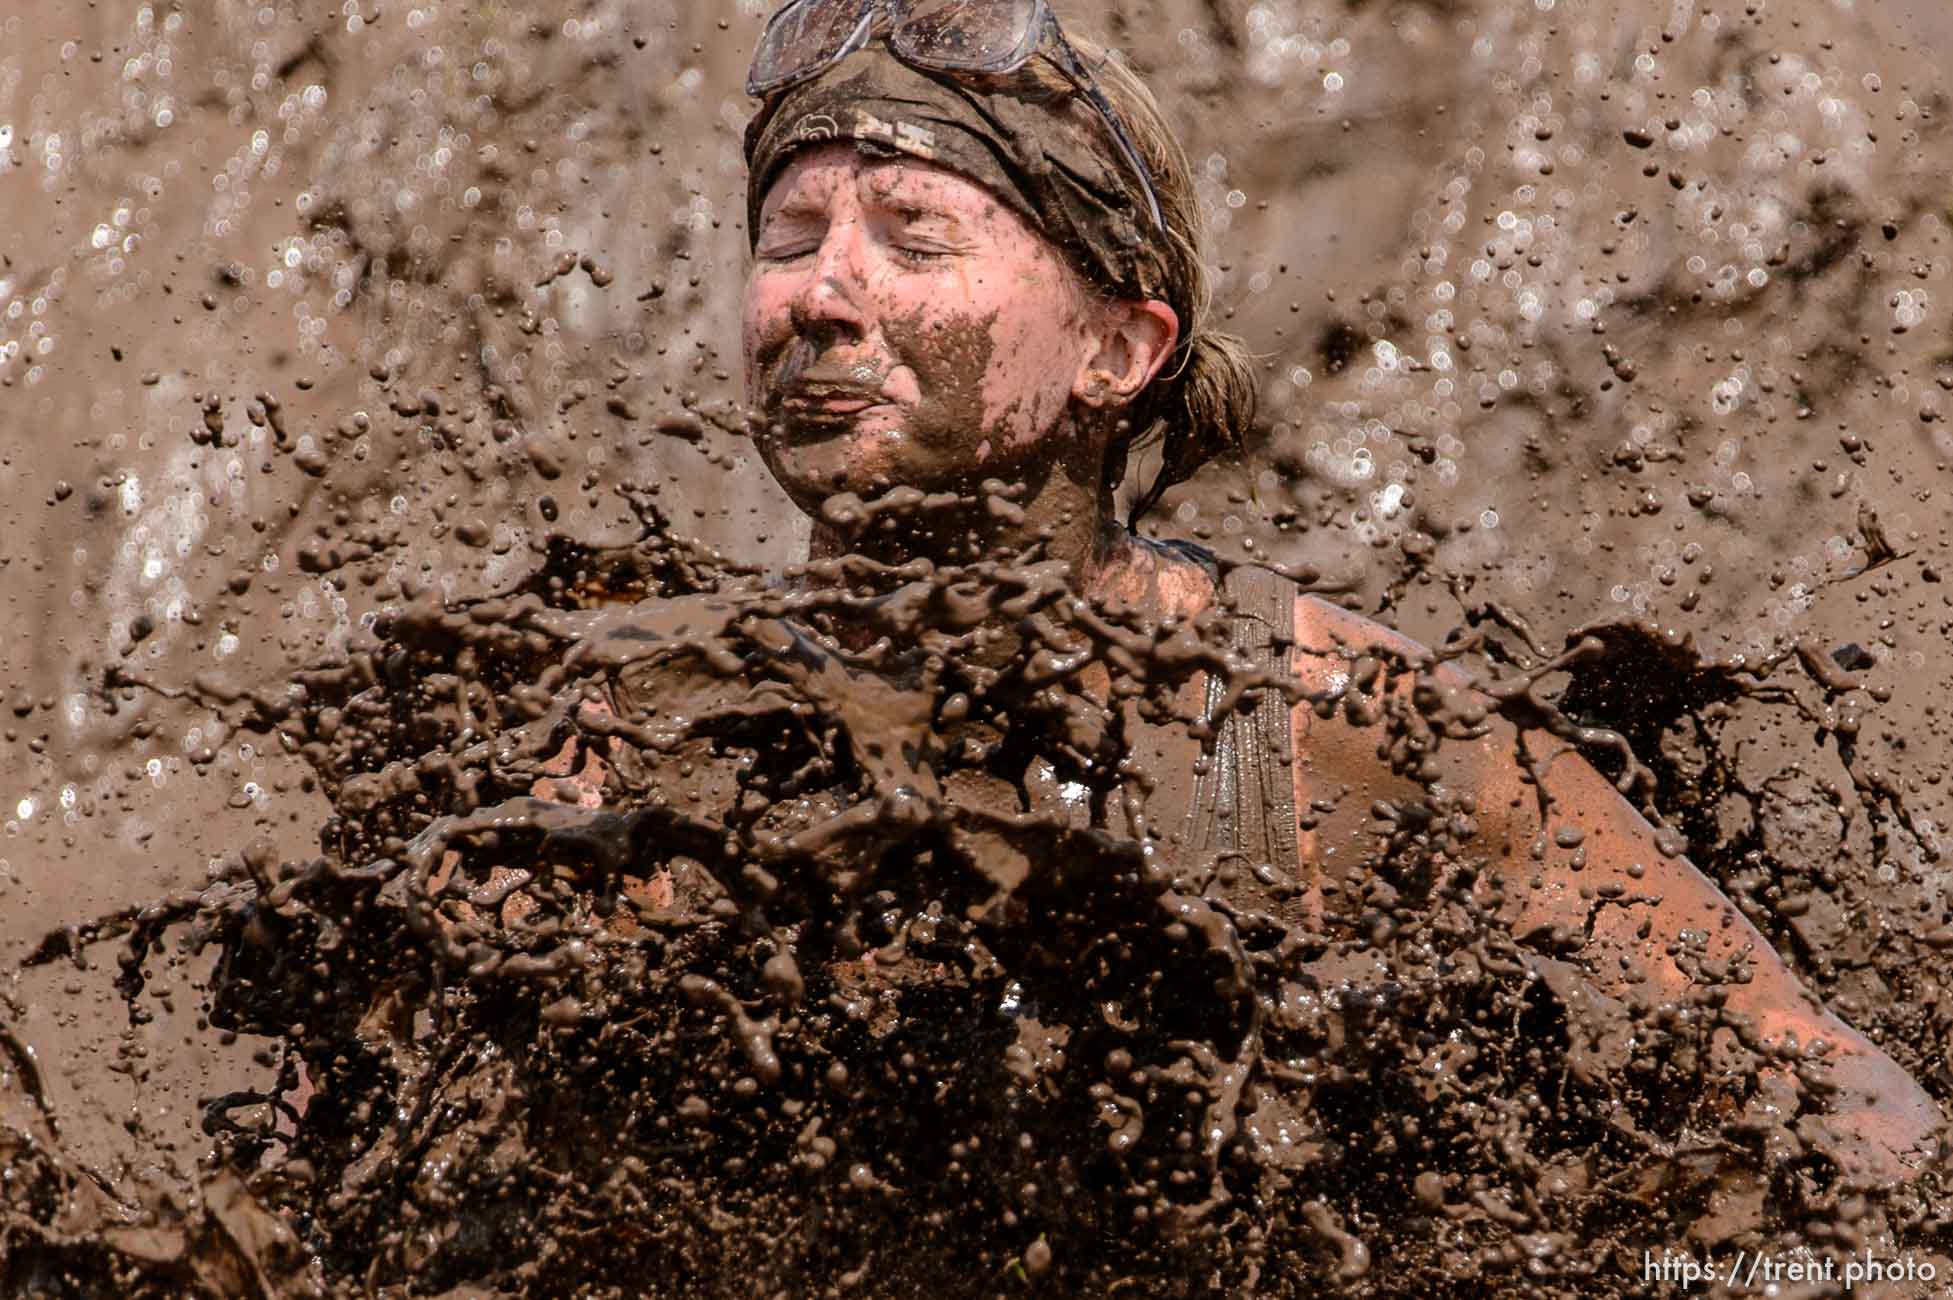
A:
{"x":904,"y":327}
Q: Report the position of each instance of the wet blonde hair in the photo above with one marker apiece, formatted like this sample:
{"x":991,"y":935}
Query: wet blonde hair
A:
{"x":1202,"y":404}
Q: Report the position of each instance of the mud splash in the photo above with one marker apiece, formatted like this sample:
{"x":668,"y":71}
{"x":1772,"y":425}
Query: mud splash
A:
{"x":801,"y":968}
{"x":1524,"y":377}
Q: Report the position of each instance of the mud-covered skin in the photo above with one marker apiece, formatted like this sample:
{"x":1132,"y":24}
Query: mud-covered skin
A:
{"x":904,"y":328}
{"x":846,"y":248}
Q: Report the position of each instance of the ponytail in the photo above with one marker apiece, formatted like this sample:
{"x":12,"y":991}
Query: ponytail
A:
{"x":1206,"y":412}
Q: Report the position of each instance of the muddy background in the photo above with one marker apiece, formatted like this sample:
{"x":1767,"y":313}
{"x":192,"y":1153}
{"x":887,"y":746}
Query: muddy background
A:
{"x":1578,"y":310}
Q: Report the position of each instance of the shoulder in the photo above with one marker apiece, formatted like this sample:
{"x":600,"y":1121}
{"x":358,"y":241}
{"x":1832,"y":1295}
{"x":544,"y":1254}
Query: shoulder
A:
{"x":1179,"y":579}
{"x":1161,"y":579}
{"x":1327,"y":635}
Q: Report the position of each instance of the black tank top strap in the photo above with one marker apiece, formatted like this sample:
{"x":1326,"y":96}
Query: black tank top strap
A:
{"x":1184,"y":551}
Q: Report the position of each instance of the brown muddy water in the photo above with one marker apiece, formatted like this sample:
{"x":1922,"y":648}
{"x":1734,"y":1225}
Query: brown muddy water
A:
{"x":360,"y":362}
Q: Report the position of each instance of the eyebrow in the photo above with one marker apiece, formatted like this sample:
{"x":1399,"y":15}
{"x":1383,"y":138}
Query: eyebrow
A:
{"x":904,"y":194}
{"x":913,"y":211}
{"x":911,"y":205}
{"x":898,"y":194}
{"x":796,"y":207}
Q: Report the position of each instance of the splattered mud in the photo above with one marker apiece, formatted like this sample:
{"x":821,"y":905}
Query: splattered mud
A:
{"x":860,"y":979}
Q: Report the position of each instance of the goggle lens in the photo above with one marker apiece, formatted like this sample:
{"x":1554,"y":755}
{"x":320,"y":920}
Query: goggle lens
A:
{"x":804,"y":38}
{"x":967,"y":35}
{"x":809,"y":36}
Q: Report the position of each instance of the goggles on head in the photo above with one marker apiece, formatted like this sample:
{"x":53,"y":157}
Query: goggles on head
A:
{"x":958,"y":37}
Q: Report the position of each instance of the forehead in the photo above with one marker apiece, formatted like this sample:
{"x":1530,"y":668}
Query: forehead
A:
{"x":818,"y":173}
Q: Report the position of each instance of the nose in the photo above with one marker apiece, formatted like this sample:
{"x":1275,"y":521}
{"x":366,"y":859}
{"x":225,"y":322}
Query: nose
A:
{"x":832,"y":299}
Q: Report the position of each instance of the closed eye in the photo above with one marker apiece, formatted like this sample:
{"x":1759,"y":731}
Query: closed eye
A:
{"x":920,"y":251}
{"x":921,"y":235}
{"x":786,"y":238}
{"x":785,"y":251}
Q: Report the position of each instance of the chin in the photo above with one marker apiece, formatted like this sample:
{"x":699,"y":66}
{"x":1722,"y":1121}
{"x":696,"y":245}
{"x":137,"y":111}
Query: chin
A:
{"x":811,"y":488}
{"x":867,"y":459}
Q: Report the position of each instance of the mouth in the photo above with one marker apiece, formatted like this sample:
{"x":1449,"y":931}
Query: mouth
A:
{"x":825,"y":405}
{"x":818,"y":394}
{"x":804,"y":418}
{"x":822,"y":399}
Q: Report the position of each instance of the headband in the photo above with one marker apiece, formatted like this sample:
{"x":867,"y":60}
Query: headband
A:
{"x":1043,"y":153}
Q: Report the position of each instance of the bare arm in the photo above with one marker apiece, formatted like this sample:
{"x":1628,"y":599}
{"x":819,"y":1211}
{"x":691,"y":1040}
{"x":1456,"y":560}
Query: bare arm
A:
{"x":1587,"y":878}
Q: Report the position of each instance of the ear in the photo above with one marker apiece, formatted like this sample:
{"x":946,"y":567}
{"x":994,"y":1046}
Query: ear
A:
{"x":1134,"y":340}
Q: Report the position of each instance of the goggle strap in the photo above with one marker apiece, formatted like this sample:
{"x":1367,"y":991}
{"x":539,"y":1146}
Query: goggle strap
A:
{"x":1081,"y":77}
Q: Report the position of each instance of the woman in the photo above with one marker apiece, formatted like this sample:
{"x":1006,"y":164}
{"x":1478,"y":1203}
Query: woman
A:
{"x":977,"y":262}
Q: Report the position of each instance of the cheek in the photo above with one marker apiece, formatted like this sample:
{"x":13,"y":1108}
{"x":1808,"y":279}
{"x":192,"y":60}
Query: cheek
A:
{"x":765,"y":316}
{"x":768,"y":307}
{"x":1035,"y":358}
